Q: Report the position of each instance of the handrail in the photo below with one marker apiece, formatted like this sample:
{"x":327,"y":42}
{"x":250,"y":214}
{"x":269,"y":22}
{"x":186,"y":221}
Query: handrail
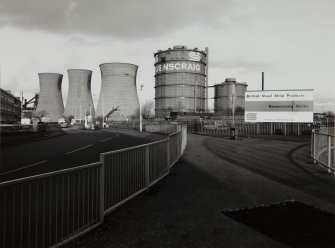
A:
{"x":322,"y":148}
{"x":53,"y":173}
{"x":134,"y":147}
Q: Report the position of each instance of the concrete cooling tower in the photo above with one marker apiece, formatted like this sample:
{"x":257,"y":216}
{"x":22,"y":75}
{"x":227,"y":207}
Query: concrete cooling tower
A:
{"x":79,"y":101}
{"x":118,"y":89}
{"x":50,"y":98}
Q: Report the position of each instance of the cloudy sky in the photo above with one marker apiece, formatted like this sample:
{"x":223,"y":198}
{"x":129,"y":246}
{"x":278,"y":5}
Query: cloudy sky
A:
{"x":292,"y":41}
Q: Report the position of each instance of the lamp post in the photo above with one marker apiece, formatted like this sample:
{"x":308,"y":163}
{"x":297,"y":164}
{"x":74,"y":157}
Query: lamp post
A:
{"x":233,"y":97}
{"x":141,"y":111}
{"x":195,"y":103}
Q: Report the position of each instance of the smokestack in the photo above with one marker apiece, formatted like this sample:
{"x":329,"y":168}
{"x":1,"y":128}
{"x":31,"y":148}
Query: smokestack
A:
{"x":79,"y":97}
{"x":206,"y":107}
{"x":118,"y":89}
{"x":50,"y":97}
{"x":262,"y":81}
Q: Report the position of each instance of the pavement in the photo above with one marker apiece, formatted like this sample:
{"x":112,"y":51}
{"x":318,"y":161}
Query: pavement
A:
{"x":186,"y":208}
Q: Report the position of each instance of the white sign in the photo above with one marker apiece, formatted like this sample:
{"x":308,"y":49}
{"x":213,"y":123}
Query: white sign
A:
{"x":279,"y":106}
{"x":182,"y":66}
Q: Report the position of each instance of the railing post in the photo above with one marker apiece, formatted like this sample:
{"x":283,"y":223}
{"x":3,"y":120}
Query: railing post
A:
{"x":312,"y":145}
{"x":102,"y":188}
{"x":257,"y":127}
{"x":314,"y":149}
{"x":329,"y":152}
{"x":168,"y":153}
{"x":147,"y":168}
{"x":285,"y":129}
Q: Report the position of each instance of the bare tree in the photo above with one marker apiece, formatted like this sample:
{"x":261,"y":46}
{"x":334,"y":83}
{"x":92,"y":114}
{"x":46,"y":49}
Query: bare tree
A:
{"x":40,"y":114}
{"x":148,"y":109}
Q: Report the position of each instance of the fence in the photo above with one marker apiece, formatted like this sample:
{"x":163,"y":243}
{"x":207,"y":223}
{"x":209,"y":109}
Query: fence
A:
{"x":322,"y":148}
{"x":52,"y":209}
{"x":251,"y":128}
{"x":17,"y":128}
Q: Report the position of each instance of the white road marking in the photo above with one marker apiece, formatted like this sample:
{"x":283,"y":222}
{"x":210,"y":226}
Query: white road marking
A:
{"x":110,"y":138}
{"x":81,"y":148}
{"x":106,"y":139}
{"x":41,"y":162}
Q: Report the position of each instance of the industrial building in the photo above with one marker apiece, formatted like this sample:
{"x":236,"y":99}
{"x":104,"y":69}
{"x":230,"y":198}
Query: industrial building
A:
{"x":118,"y":89}
{"x":180,"y":80}
{"x":79,"y":101}
{"x":229,"y":95}
{"x":50,"y":103}
{"x":10,"y":108}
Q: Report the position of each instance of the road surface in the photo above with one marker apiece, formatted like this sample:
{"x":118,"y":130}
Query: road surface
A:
{"x":77,"y":147}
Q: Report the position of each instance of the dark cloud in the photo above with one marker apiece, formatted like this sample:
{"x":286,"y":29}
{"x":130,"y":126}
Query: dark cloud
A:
{"x":118,"y":19}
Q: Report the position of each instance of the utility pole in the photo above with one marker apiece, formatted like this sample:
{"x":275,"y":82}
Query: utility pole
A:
{"x":262,"y":81}
{"x":195,"y":99}
{"x":233,"y":103}
{"x":206,"y":101}
{"x":103,"y":109}
{"x":141,"y":121}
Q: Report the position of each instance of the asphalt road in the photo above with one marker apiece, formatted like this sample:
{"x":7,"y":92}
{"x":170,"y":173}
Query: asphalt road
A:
{"x":76,"y":148}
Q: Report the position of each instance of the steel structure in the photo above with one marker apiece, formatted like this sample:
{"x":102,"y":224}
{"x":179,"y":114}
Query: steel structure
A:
{"x":79,"y":101}
{"x":180,"y":80}
{"x":50,"y":97}
{"x":118,"y":89}
{"x":227,"y":95}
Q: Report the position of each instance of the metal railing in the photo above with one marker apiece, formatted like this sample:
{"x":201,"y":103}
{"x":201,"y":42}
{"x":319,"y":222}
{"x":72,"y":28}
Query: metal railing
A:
{"x":322,"y":148}
{"x":251,"y":128}
{"x":51,"y":209}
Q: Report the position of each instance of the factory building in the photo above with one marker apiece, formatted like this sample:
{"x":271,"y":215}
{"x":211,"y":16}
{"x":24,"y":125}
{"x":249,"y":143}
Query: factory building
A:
{"x":10,"y":108}
{"x":180,"y":80}
{"x":50,"y":103}
{"x":79,"y":101}
{"x":228,"y":95}
{"x":118,"y":89}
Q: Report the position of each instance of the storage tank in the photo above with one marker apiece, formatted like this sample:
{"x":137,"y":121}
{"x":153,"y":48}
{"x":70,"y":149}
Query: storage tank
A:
{"x":180,"y":80}
{"x":228,"y":94}
{"x":50,"y":97}
{"x":118,"y":89}
{"x":79,"y":101}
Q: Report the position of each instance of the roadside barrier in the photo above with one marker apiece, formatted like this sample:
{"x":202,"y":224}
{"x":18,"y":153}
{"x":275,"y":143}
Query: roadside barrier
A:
{"x":51,"y":209}
{"x":251,"y":128}
{"x":322,"y":148}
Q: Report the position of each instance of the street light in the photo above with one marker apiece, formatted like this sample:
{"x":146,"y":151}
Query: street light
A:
{"x":233,"y":98}
{"x":141,"y":111}
{"x":195,"y":88}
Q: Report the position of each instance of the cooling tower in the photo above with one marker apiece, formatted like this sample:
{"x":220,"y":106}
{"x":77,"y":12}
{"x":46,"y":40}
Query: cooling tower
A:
{"x":50,"y":98}
{"x":118,"y":89}
{"x":79,"y":101}
{"x":180,"y":80}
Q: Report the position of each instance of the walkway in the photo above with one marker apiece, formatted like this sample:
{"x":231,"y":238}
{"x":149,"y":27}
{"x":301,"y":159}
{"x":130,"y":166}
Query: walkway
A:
{"x":217,"y":174}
